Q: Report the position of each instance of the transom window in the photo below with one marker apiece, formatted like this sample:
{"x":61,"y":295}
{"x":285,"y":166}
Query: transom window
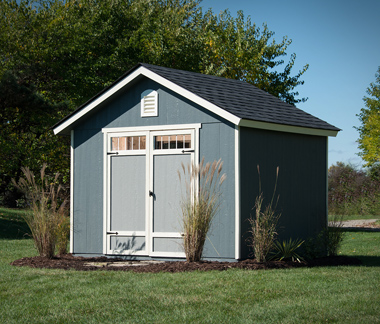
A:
{"x":172,"y":142}
{"x":127,"y":143}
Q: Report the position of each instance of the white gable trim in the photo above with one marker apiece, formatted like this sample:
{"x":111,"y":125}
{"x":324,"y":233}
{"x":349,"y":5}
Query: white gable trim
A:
{"x":287,"y":128}
{"x":157,"y":78}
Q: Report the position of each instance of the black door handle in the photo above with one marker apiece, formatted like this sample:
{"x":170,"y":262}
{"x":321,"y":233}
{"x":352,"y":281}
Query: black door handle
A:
{"x":151,"y":194}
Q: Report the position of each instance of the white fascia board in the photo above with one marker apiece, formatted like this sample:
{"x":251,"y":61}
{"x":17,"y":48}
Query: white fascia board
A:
{"x":287,"y":128}
{"x":97,"y":101}
{"x":191,"y":96}
{"x":157,"y":78}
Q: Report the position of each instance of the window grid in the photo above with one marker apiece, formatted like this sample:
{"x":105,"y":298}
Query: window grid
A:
{"x":128,"y":143}
{"x":172,"y":142}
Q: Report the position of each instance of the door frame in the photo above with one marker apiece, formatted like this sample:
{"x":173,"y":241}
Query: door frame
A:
{"x":149,"y":131}
{"x":154,"y":152}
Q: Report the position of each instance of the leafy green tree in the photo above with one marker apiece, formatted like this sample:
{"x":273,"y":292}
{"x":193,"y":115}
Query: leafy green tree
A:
{"x":369,"y":131}
{"x":237,"y":49}
{"x":25,"y":135}
{"x":71,"y":49}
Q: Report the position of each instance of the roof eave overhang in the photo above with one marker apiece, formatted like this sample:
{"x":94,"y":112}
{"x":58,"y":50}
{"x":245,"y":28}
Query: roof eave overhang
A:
{"x":287,"y":128}
{"x":65,"y":126}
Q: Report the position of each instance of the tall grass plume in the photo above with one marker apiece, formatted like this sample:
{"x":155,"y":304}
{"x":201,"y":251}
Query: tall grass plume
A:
{"x":199,"y":204}
{"x":263,"y":224}
{"x":47,"y":218}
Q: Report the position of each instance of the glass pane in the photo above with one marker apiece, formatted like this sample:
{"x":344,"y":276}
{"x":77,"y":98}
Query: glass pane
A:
{"x":142,"y":142}
{"x":129,"y":143}
{"x":165,"y":142}
{"x":122,"y":143}
{"x":157,"y":142}
{"x":187,"y":141}
{"x":173,"y":142}
{"x":114,"y":143}
{"x":136,"y":142}
{"x":180,"y":139}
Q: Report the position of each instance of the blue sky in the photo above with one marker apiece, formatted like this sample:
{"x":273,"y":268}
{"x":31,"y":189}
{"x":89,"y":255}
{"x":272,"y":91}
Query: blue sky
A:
{"x":340,"y":40}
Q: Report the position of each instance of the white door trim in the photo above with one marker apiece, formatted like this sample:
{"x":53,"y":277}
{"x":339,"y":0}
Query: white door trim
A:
{"x":149,"y":132}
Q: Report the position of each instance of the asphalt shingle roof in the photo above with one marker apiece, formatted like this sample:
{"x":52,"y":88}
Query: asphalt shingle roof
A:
{"x":240,"y":98}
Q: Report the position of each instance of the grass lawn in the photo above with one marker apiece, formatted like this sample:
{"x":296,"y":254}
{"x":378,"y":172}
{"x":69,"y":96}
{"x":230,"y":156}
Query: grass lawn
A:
{"x":355,"y":217}
{"x":315,"y":295}
{"x":12,"y":224}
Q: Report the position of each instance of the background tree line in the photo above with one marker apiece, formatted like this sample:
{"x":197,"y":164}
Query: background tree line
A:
{"x":56,"y":54}
{"x":354,"y":191}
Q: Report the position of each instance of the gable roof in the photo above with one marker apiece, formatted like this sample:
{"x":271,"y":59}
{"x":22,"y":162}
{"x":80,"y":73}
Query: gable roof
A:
{"x":238,"y":102}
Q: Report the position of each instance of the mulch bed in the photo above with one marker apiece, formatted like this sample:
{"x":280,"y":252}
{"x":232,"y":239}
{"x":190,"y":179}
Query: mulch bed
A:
{"x":69,"y":261}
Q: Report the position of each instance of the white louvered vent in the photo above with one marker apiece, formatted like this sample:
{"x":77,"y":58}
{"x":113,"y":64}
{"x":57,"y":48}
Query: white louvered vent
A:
{"x":149,"y":104}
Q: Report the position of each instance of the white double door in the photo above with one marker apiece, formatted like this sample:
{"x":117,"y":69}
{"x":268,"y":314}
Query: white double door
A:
{"x":144,"y":192}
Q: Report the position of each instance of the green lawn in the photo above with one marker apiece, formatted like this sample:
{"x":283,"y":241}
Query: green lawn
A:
{"x":355,"y":217}
{"x":315,"y":295}
{"x":12,"y":225}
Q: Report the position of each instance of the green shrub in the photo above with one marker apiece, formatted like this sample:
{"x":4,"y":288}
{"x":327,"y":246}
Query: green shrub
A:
{"x":286,"y":250}
{"x":47,"y":212}
{"x":327,"y":242}
{"x":263,"y":224}
{"x":199,"y":204}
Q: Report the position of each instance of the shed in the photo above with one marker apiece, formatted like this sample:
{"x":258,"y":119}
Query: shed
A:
{"x":128,"y":142}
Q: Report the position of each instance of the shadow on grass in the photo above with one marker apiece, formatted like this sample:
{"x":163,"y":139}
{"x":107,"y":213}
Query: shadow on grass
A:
{"x":369,"y":261}
{"x":361,"y":229}
{"x":14,"y":229}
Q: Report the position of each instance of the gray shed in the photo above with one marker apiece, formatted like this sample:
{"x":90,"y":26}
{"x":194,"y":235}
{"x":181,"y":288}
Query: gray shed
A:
{"x":128,"y":142}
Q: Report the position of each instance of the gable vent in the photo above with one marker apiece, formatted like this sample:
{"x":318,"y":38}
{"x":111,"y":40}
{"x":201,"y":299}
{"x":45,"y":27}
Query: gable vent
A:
{"x":149,"y":104}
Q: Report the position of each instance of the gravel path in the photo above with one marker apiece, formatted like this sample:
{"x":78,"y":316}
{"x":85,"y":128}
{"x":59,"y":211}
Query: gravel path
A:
{"x":359,"y":223}
{"x":365,"y":224}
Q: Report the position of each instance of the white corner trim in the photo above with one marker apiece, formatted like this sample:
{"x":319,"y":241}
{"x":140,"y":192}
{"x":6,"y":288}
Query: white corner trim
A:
{"x":105,"y":194}
{"x":237,"y":193}
{"x":157,"y":78}
{"x":72,"y":192}
{"x":287,"y":128}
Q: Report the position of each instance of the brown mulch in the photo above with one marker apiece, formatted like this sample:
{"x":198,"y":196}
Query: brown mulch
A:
{"x":69,"y":261}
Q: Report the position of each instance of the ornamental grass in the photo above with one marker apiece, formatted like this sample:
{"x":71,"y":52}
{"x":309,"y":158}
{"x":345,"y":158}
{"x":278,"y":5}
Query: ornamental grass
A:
{"x":47,"y":218}
{"x":199,"y":204}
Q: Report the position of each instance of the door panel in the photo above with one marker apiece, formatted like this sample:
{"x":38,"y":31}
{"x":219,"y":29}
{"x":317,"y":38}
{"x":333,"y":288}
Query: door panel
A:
{"x":168,"y":192}
{"x":128,"y":193}
{"x":120,"y":244}
{"x":165,"y":244}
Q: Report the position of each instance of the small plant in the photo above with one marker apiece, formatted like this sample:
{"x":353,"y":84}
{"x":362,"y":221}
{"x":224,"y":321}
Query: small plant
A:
{"x":328,"y":241}
{"x":263,"y":224}
{"x":286,"y":250}
{"x":334,"y":235}
{"x":199,"y":205}
{"x":47,"y":212}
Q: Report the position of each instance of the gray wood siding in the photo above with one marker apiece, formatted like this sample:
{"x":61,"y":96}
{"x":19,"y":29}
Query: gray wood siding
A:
{"x":88,"y":191}
{"x":123,"y":110}
{"x":218,"y":141}
{"x":301,"y":183}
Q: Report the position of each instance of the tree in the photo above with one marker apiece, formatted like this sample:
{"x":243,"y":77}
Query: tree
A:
{"x":25,"y":135}
{"x":369,"y":131}
{"x":237,"y":49}
{"x":69,"y":50}
{"x":72,"y":49}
